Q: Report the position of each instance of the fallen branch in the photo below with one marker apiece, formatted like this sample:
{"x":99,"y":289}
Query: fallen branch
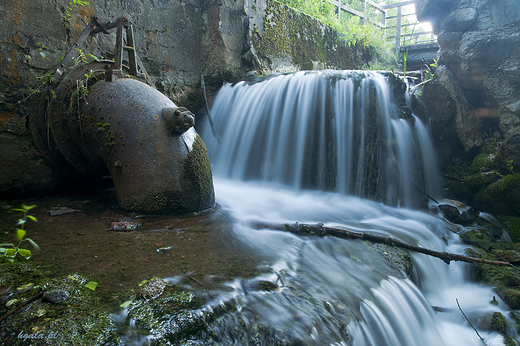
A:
{"x":467,"y":319}
{"x":320,"y":230}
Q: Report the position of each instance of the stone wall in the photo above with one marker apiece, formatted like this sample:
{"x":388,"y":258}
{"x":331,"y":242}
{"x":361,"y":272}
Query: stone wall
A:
{"x":479,"y":62}
{"x":177,"y":40}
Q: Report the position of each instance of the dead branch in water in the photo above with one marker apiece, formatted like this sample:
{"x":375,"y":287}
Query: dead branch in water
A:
{"x":320,"y":230}
{"x":467,"y":319}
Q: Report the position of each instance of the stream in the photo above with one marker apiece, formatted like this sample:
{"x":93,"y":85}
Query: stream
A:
{"x":311,"y":147}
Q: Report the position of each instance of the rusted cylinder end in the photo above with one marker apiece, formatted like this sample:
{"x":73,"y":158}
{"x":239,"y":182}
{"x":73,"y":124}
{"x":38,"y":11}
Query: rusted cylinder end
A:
{"x":158,"y":162}
{"x":88,"y":127}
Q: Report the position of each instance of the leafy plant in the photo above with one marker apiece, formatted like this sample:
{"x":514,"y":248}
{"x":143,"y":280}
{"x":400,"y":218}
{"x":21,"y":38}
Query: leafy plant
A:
{"x":430,"y":71}
{"x":9,"y":251}
{"x":509,"y":165}
{"x":71,"y":6}
{"x":405,"y":51}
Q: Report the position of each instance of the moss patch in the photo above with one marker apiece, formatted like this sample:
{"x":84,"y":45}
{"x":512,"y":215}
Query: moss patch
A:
{"x":512,"y":226}
{"x":287,"y":32}
{"x":197,"y":170}
{"x":75,"y":321}
{"x":482,"y":162}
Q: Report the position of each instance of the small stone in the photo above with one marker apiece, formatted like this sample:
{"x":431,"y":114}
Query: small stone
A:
{"x":55,"y":296}
{"x":123,"y":226}
{"x":152,"y":289}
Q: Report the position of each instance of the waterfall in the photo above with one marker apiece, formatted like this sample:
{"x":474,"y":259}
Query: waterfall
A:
{"x":324,"y":130}
{"x":316,"y":147}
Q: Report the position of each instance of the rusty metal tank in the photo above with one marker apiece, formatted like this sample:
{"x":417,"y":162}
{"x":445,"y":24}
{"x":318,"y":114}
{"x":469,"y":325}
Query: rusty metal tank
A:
{"x":95,"y":121}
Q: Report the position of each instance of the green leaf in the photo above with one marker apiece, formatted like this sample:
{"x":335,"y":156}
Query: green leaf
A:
{"x":21,"y":221}
{"x":91,"y":285}
{"x":11,"y":302}
{"x":34,"y":245}
{"x":25,"y":253}
{"x":11,"y":252}
{"x":20,"y":233}
{"x":23,"y":287}
{"x":18,"y":209}
{"x":32,"y":218}
{"x":7,"y":244}
{"x":126,"y":304}
{"x":143,"y":282}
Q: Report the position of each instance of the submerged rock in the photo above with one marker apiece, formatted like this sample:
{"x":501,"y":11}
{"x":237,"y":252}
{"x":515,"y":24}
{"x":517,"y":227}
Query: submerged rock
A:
{"x":55,"y":296}
{"x":79,"y":322}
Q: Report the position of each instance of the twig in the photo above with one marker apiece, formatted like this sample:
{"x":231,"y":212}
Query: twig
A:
{"x":203,"y":86}
{"x":191,"y":277}
{"x":467,"y":319}
{"x":320,"y":230}
{"x":38,"y":296}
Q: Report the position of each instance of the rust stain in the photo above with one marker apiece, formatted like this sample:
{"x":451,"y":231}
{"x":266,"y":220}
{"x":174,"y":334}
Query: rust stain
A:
{"x":486,"y":113}
{"x":5,"y":116}
{"x":8,"y":61}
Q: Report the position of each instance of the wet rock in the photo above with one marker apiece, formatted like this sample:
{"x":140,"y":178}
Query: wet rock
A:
{"x":498,"y":323}
{"x":510,"y":256}
{"x":436,"y":104}
{"x":153,"y":289}
{"x":480,"y":180}
{"x":58,"y":211}
{"x":501,"y":197}
{"x":453,"y":214}
{"x":123,"y":226}
{"x":263,"y":285}
{"x":512,"y":226}
{"x":459,"y":20}
{"x":508,"y":155}
{"x":510,"y":296}
{"x":55,"y":296}
{"x":78,"y":321}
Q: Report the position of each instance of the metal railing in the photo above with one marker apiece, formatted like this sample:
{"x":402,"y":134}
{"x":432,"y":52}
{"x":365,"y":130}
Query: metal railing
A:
{"x":378,"y":15}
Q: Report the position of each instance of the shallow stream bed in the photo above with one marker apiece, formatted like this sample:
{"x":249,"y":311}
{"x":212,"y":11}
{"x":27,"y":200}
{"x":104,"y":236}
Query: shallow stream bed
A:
{"x":198,"y":246}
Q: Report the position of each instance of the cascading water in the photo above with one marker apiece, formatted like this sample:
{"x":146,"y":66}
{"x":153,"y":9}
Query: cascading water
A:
{"x":284,"y":139}
{"x":331,"y":131}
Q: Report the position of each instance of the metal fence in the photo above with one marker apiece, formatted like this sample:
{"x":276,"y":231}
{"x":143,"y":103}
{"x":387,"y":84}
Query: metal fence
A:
{"x":387,"y":17}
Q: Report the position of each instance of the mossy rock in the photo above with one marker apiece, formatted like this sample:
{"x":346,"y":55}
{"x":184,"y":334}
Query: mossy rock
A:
{"x":501,"y":197}
{"x":485,"y":248}
{"x":498,"y":323}
{"x":512,"y":226}
{"x":480,"y":180}
{"x":510,"y":296}
{"x":75,"y":321}
{"x":481,"y":163}
{"x":509,"y":341}
{"x":439,"y":106}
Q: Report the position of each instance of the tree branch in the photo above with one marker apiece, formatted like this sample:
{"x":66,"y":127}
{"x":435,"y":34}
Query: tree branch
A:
{"x":321,"y":231}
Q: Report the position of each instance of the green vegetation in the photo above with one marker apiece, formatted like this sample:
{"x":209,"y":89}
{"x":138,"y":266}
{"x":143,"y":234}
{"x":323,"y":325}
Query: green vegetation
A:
{"x":8,"y":251}
{"x":71,"y":6}
{"x":351,"y":29}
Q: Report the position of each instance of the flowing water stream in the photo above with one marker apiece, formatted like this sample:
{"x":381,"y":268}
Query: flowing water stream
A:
{"x":311,"y":147}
